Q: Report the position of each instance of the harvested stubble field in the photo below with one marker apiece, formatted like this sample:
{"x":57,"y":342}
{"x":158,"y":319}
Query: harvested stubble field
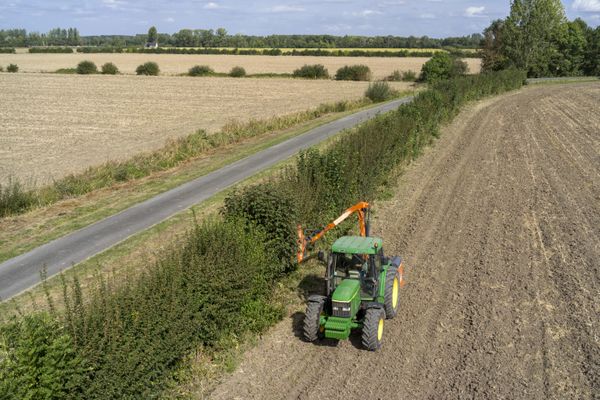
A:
{"x":172,"y":64}
{"x":53,"y":125}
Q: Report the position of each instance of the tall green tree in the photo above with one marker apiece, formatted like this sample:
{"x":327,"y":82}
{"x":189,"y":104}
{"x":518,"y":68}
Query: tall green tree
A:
{"x":152,"y":34}
{"x":492,"y":51}
{"x":530,"y":35}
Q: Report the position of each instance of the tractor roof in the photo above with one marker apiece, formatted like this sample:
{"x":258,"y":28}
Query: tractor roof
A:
{"x":357,"y":245}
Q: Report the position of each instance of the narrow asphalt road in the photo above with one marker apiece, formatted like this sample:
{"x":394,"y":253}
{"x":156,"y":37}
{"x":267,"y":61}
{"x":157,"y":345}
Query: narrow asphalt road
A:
{"x":23,"y":272}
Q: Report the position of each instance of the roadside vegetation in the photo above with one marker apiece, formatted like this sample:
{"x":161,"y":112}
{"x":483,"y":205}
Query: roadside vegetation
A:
{"x":12,"y":68}
{"x":127,"y":338}
{"x":15,"y":198}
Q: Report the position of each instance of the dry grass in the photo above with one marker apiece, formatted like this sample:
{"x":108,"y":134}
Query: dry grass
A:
{"x":173,"y":64}
{"x":53,"y":125}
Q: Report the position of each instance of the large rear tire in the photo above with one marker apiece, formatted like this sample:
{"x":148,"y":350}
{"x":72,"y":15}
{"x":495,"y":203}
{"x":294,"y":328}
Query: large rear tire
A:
{"x":392,"y":294}
{"x":372,"y":331}
{"x":312,"y":319}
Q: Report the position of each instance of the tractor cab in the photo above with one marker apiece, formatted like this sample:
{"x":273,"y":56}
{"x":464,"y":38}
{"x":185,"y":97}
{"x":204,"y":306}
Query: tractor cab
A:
{"x":357,"y":258}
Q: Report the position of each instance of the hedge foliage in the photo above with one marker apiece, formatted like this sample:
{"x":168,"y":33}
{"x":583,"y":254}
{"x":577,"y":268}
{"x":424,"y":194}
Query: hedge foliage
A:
{"x":237,"y":72}
{"x":109,"y":69}
{"x":353,"y":73}
{"x":12,"y":68}
{"x":149,"y":68}
{"x":7,"y":50}
{"x":317,"y":71}
{"x":200,"y":70}
{"x":65,"y":50}
{"x":86,"y":68}
{"x":125,"y":340}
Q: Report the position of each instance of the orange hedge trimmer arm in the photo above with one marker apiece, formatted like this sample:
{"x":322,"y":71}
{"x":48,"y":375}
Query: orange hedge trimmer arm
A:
{"x":303,"y":241}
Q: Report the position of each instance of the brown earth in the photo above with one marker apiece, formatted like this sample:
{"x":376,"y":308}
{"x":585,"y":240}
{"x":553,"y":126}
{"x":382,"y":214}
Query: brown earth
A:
{"x":499,"y":224}
{"x":171,"y":64}
{"x":53,"y":125}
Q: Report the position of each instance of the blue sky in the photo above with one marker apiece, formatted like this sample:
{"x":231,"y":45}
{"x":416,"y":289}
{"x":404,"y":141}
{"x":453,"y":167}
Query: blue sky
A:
{"x":435,"y":18}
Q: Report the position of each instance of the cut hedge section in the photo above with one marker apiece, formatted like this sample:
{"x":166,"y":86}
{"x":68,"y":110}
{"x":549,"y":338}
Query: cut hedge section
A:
{"x":363,"y":285}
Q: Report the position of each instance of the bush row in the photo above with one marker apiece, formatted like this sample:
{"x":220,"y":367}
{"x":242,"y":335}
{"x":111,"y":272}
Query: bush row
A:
{"x":7,"y":50}
{"x":10,"y":68}
{"x":278,"y":52}
{"x":125,"y":341}
{"x":65,"y":50}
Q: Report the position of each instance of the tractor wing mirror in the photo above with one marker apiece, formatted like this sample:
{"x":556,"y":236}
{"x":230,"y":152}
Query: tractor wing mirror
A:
{"x":321,"y":256}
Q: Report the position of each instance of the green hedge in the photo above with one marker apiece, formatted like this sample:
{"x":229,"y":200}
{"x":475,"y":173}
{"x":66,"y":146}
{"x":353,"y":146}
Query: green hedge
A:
{"x":7,"y":50}
{"x":126,"y":340}
{"x":65,"y":50}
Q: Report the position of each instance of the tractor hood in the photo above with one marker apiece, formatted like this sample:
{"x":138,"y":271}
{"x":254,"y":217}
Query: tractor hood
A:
{"x":346,"y":290}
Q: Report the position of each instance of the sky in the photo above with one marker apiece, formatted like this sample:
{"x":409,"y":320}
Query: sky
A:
{"x":434,"y":18}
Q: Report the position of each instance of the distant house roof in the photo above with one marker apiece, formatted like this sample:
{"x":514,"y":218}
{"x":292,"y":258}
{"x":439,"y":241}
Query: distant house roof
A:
{"x":151,"y":44}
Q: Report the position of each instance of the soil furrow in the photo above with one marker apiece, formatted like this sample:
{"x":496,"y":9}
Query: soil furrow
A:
{"x":499,"y":224}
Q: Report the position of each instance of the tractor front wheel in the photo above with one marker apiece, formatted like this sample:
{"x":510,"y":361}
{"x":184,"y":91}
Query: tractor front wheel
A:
{"x":312,"y":320}
{"x":372,"y":331}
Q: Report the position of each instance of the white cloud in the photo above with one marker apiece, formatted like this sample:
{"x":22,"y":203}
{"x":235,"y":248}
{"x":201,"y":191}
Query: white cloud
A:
{"x":285,"y":8}
{"x":366,"y":13}
{"x":474,"y":11}
{"x":211,"y":6}
{"x":170,"y":19}
{"x":587,"y":5}
{"x":427,"y":16}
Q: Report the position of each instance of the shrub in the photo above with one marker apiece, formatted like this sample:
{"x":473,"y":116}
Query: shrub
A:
{"x":395,"y":76}
{"x":409,"y":76}
{"x":379,"y":91}
{"x":317,"y":71}
{"x":14,"y":198}
{"x":110,"y":69}
{"x":237,"y":72}
{"x":442,"y":66}
{"x":1,"y":68}
{"x":148,"y":68}
{"x":38,"y":360}
{"x":12,"y":68}
{"x":200,"y":70}
{"x":86,"y":68}
{"x":272,"y":208}
{"x":353,"y":73}
{"x":7,"y":50}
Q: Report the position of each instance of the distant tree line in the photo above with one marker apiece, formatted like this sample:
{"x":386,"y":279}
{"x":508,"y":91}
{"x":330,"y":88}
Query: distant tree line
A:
{"x":221,"y":38}
{"x":55,"y":37}
{"x":538,"y":38}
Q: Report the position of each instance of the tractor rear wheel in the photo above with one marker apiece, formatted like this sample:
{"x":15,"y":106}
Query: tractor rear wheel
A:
{"x":392,"y":294}
{"x":372,"y":331}
{"x":312,"y":319}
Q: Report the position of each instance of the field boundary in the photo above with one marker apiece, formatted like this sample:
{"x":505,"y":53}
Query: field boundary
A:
{"x":22,"y":272}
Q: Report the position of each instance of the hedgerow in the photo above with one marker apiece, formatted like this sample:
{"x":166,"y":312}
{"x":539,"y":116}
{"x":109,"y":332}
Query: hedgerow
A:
{"x":125,"y":340}
{"x":65,"y":50}
{"x":353,"y":73}
{"x":317,"y":71}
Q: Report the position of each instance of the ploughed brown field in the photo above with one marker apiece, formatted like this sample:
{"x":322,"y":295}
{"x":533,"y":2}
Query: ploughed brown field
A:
{"x":499,"y":225}
{"x":173,"y":64}
{"x":53,"y":125}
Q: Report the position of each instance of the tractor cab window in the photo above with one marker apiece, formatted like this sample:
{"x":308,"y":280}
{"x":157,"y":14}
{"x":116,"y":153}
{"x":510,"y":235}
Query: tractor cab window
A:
{"x":352,"y":266}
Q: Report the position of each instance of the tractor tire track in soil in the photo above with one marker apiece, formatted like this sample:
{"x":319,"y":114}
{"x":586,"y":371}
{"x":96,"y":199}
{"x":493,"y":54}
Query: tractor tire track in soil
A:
{"x":499,"y":224}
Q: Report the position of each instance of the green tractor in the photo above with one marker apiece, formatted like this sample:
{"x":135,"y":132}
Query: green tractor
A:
{"x":362,"y":292}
